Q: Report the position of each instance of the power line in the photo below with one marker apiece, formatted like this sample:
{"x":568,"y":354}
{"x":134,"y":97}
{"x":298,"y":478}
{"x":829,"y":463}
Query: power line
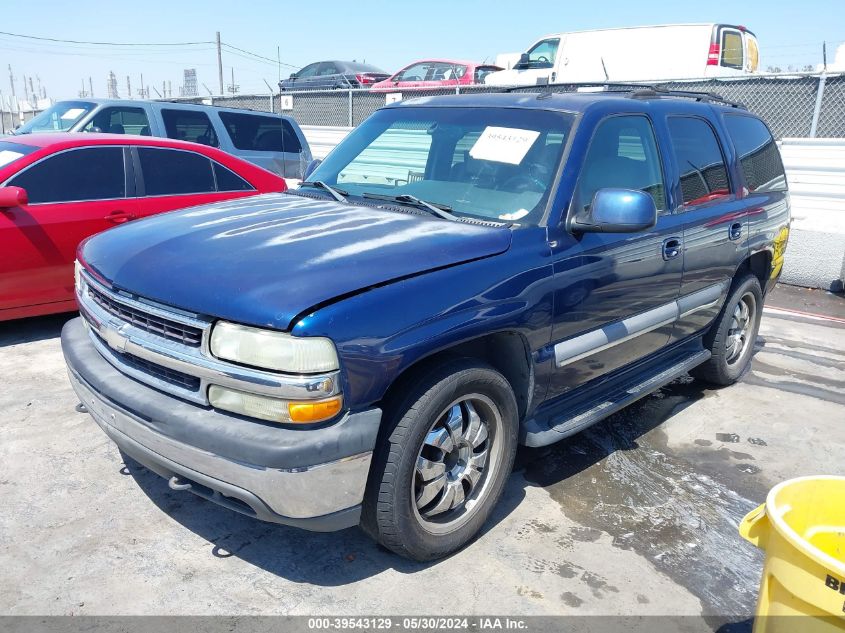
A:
{"x":53,"y":39}
{"x":275,"y":62}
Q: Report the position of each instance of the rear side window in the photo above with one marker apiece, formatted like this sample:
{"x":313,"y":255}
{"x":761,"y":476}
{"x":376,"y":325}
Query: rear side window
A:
{"x":189,"y":125}
{"x":169,"y":172}
{"x":622,"y":154}
{"x":704,"y":176}
{"x":228,"y":180}
{"x":91,"y":173}
{"x":256,"y":133}
{"x":118,"y":120}
{"x":759,"y":158}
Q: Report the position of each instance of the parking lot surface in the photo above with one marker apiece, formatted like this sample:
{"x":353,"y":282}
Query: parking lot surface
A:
{"x":636,"y":515}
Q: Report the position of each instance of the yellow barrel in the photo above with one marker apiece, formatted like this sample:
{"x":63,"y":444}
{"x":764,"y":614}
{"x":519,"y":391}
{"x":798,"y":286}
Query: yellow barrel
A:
{"x":802,"y":529}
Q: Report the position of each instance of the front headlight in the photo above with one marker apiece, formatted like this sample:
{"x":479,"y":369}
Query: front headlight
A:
{"x":78,"y":280}
{"x":272,"y":350}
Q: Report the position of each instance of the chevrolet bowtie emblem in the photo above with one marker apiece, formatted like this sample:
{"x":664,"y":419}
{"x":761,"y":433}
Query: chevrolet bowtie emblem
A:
{"x":113,"y":335}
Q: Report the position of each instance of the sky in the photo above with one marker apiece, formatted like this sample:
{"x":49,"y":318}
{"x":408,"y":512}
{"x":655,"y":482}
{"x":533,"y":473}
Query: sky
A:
{"x":387,"y":34}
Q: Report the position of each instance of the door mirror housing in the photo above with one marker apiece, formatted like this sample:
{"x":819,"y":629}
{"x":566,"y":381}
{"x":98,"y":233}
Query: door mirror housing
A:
{"x":524,"y":59}
{"x":11,"y":197}
{"x":617,"y":211}
{"x":292,"y":76}
{"x":311,"y":167}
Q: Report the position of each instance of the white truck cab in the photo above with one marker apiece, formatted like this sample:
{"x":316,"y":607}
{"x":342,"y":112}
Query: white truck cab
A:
{"x":663,"y":52}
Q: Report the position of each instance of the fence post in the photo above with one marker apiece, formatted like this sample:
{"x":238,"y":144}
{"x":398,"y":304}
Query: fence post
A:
{"x":818,"y":107}
{"x":349,"y":106}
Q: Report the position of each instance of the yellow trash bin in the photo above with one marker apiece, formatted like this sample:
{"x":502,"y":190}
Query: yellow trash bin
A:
{"x":802,"y":529}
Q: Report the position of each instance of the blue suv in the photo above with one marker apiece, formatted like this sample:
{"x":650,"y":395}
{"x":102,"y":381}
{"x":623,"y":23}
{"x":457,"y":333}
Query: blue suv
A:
{"x":462,"y":274}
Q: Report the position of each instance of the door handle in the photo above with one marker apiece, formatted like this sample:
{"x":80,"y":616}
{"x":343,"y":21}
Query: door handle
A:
{"x":735,"y":232}
{"x":671,"y":248}
{"x":119,"y":217}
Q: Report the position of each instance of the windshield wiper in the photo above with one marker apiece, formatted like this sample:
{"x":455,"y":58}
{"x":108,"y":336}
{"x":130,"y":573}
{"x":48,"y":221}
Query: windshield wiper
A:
{"x":338,"y":194}
{"x":440,"y":210}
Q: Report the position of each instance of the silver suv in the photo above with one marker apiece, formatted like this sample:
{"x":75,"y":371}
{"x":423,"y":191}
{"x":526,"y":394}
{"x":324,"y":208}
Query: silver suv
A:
{"x":271,"y":141}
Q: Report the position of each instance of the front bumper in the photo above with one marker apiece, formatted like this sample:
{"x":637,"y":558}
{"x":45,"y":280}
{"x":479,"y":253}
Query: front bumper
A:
{"x":309,"y":478}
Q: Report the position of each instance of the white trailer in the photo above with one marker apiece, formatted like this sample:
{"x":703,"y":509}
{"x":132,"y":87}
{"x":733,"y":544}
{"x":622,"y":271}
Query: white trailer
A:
{"x":668,"y":51}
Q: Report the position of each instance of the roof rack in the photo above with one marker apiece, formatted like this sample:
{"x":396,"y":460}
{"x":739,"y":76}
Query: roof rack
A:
{"x":633,"y":90}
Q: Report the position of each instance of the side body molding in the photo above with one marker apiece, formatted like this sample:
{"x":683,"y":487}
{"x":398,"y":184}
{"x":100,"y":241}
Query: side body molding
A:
{"x":607,"y":336}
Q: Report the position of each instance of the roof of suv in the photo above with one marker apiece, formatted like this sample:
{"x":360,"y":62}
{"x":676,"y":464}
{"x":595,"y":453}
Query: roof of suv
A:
{"x":560,"y":101}
{"x":168,"y":103}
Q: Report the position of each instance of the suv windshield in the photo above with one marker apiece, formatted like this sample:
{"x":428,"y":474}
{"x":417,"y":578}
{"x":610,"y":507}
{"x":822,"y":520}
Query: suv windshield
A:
{"x":58,"y":118}
{"x":488,"y":163}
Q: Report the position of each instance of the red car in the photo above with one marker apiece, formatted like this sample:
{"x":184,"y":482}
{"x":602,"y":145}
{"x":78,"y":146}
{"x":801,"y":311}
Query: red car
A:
{"x":57,"y":189}
{"x":437,"y":73}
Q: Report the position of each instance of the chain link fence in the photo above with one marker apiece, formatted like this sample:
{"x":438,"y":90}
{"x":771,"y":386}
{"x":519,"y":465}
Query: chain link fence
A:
{"x":794,"y":105}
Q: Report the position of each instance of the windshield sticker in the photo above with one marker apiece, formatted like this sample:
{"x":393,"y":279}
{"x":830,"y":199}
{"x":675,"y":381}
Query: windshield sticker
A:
{"x":71,"y":114}
{"x":503,"y":144}
{"x":7,"y":156}
{"x":513,"y":217}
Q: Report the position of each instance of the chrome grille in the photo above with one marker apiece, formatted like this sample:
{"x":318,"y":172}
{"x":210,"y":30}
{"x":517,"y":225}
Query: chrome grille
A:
{"x":171,"y":330}
{"x":171,"y":376}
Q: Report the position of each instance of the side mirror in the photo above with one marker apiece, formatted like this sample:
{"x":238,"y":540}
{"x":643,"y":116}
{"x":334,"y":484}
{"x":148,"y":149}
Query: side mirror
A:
{"x":618,"y":211}
{"x":11,"y":197}
{"x":311,"y":167}
{"x":524,"y":59}
{"x":292,"y":76}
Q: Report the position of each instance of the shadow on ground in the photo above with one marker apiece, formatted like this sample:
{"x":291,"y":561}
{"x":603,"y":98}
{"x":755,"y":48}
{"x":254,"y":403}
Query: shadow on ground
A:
{"x":33,"y":329}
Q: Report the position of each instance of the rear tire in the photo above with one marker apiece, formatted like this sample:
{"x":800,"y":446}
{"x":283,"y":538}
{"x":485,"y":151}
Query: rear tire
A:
{"x":442,"y":461}
{"x":733,"y":334}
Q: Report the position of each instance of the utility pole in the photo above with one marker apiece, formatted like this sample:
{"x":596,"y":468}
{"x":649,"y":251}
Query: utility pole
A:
{"x":128,"y":87}
{"x":233,"y":87}
{"x":220,"y":64}
{"x":169,"y":90}
{"x":90,"y":87}
{"x":12,"y":82}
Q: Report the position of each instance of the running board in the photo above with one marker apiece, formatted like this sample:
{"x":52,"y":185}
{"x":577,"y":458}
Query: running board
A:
{"x":577,"y":413}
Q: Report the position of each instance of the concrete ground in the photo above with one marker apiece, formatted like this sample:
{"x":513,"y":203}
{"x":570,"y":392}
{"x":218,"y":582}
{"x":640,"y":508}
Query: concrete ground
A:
{"x":637,"y":515}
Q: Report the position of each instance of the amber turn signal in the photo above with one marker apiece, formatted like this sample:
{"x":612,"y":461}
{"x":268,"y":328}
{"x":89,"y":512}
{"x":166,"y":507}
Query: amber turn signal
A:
{"x":304,"y":412}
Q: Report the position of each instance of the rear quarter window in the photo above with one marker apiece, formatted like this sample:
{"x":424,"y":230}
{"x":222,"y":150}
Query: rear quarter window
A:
{"x":759,"y":159}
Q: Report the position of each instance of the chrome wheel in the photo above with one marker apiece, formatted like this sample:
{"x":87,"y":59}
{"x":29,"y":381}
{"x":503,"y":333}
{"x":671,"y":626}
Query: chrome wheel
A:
{"x":741,"y":328}
{"x":454,"y":462}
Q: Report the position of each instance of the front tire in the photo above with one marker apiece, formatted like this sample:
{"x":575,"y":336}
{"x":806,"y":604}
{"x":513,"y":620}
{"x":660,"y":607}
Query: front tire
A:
{"x":732,"y":336}
{"x":443,"y":461}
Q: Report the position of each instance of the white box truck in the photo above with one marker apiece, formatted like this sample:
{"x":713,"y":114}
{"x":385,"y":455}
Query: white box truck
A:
{"x":667,"y":51}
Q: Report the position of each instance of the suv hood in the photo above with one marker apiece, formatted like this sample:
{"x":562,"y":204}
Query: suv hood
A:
{"x":266,"y":259}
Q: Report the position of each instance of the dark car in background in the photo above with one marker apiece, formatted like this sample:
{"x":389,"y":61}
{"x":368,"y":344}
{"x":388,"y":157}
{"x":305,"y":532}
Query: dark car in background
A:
{"x":334,"y":74}
{"x":271,"y":141}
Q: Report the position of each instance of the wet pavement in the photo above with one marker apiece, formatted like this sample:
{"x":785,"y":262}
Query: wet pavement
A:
{"x":637,"y":515}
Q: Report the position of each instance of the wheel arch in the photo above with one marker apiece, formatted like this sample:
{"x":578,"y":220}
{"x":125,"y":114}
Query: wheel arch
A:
{"x":507,"y":352}
{"x":758,"y":264}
